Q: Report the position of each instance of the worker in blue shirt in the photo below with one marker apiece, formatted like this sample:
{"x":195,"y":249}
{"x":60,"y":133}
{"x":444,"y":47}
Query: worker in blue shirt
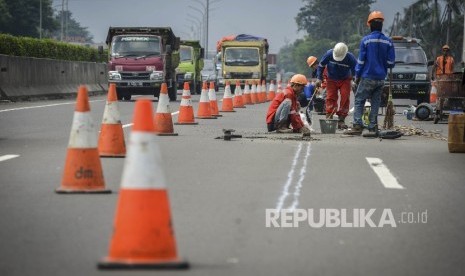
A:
{"x":376,"y":56}
{"x":340,"y":64}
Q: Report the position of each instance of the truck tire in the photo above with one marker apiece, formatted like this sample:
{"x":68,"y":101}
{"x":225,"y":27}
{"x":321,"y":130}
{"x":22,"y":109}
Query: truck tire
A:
{"x":173,"y":93}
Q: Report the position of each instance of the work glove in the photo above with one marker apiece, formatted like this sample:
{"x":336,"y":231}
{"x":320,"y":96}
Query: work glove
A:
{"x":317,"y":83}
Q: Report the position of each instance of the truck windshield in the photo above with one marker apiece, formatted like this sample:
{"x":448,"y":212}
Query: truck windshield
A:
{"x":138,"y":46}
{"x":410,"y":56}
{"x":241,"y":56}
{"x":185,"y":53}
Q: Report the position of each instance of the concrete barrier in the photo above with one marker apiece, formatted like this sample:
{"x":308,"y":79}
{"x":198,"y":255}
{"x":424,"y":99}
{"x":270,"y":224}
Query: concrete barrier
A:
{"x":25,"y":77}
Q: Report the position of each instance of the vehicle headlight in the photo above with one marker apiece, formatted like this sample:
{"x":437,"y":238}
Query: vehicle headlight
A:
{"x":114,"y":75}
{"x":156,"y":75}
{"x":188,"y":76}
{"x":255,"y":75}
{"x":420,"y":77}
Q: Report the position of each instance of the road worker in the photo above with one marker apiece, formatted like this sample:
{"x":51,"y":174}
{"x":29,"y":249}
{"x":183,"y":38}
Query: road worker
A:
{"x":284,"y":109}
{"x":375,"y":57}
{"x":312,"y":62}
{"x":340,"y":65}
{"x":444,"y":63}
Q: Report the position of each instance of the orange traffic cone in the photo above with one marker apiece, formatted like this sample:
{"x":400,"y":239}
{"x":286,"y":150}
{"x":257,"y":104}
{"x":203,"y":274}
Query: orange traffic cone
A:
{"x":83,"y":170}
{"x":213,"y":100}
{"x":204,"y":111}
{"x":247,"y":96}
{"x":271,"y":93}
{"x":253,"y":93}
{"x":263,"y":95}
{"x":433,"y":95}
{"x":163,"y":118}
{"x":143,"y":234}
{"x":280,"y":87}
{"x":111,"y":138}
{"x":186,"y":111}
{"x":238,"y":98}
{"x":227,"y":104}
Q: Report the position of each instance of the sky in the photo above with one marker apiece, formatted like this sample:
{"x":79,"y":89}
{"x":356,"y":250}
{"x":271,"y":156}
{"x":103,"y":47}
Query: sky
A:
{"x":273,"y":19}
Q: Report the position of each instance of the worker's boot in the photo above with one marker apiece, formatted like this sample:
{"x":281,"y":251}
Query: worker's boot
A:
{"x":356,"y":130}
{"x":283,"y":127}
{"x":341,"y":123}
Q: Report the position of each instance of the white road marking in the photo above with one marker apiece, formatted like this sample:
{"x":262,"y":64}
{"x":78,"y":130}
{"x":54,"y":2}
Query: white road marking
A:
{"x":290,"y":177}
{"x":383,"y":173}
{"x":42,"y":106}
{"x":128,"y":125}
{"x":8,"y":157}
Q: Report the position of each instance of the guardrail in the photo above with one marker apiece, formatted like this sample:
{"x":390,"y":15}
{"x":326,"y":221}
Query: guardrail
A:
{"x":25,"y":77}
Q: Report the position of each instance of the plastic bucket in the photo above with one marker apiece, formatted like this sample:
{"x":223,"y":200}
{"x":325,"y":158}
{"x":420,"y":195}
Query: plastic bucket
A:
{"x":328,"y":126}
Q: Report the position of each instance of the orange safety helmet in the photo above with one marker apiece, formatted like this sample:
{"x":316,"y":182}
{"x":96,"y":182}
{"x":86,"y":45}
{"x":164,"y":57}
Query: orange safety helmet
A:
{"x":299,"y":79}
{"x":311,"y":60}
{"x":375,"y":15}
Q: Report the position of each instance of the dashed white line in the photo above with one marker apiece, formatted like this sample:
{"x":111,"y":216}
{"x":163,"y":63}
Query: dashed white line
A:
{"x":298,"y":186}
{"x":387,"y":179}
{"x":8,"y":157}
{"x":42,"y":106}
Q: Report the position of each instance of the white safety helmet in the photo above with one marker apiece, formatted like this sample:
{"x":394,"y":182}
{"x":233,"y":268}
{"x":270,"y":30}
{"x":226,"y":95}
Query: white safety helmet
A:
{"x":340,"y":51}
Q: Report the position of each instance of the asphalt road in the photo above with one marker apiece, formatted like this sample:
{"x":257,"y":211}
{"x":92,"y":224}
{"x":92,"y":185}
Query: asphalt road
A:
{"x":220,"y":191}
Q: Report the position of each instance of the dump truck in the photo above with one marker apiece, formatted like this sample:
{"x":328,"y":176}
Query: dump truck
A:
{"x":141,"y":59}
{"x":191,"y":63}
{"x":244,"y":58}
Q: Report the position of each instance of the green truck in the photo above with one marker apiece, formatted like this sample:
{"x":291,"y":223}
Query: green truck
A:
{"x":191,"y":63}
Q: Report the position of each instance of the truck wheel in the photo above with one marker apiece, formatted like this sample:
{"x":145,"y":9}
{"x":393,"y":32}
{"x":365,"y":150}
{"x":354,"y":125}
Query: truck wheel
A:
{"x":172,"y":93}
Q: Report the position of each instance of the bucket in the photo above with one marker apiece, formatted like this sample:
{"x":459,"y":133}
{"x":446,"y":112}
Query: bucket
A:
{"x":328,"y":126}
{"x":456,"y":137}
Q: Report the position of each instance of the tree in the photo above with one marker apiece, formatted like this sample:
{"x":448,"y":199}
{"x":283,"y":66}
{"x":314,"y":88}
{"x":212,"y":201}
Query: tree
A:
{"x":336,"y":20}
{"x":22,"y":17}
{"x":435,"y":23}
{"x":72,"y":30}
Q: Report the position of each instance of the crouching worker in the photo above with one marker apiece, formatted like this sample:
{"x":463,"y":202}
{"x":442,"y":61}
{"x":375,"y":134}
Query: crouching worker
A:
{"x":284,"y":109}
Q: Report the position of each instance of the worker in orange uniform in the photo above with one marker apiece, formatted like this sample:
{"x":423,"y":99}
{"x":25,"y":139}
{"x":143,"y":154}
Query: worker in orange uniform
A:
{"x":444,"y":63}
{"x":284,"y":109}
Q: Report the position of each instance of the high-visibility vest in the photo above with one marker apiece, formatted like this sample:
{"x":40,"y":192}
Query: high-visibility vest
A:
{"x":444,"y":65}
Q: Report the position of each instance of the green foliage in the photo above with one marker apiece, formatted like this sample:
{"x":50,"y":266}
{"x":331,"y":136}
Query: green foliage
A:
{"x":335,"y":20}
{"x":47,"y":48}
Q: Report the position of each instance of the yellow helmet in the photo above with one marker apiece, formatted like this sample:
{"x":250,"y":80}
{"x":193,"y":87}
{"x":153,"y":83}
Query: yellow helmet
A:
{"x":375,"y":15}
{"x":311,"y":60}
{"x":299,"y":79}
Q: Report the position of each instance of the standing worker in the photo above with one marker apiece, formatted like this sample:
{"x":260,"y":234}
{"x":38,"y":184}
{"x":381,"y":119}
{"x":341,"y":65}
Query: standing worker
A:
{"x":340,"y":64}
{"x":284,"y":109}
{"x":376,"y":56}
{"x":444,"y":63}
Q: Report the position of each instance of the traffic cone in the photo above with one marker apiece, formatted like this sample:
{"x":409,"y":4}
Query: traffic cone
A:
{"x":280,"y":87}
{"x":204,"y":111}
{"x":143,"y":234}
{"x":433,"y":95}
{"x":238,"y":98}
{"x":82,"y":170}
{"x":213,"y":100}
{"x":271,"y":92}
{"x":163,"y":118}
{"x":264,"y":96}
{"x":186,"y":111}
{"x":227,"y":104}
{"x":247,"y":97}
{"x":111,"y":138}
{"x":253,"y":93}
